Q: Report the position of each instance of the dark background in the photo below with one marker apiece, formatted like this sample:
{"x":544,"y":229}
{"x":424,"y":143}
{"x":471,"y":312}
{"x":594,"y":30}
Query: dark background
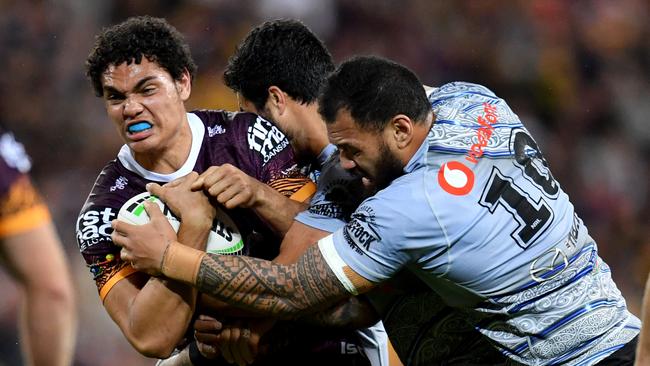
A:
{"x":576,"y":72}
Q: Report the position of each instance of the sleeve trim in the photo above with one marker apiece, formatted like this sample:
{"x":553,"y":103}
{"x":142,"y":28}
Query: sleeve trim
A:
{"x":304,"y":193}
{"x":24,"y":220}
{"x":120,"y":275}
{"x":336,"y":263}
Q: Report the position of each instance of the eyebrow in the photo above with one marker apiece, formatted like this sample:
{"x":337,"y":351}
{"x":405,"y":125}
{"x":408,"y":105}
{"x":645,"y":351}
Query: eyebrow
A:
{"x":139,"y":85}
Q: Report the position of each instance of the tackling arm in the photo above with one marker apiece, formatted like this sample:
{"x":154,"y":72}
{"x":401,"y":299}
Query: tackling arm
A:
{"x":259,"y":285}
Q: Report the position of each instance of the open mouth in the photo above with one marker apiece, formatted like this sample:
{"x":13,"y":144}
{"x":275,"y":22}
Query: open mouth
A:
{"x":138,"y":127}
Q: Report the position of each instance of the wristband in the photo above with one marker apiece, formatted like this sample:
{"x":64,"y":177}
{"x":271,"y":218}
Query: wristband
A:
{"x":181,"y":262}
{"x":196,"y":357}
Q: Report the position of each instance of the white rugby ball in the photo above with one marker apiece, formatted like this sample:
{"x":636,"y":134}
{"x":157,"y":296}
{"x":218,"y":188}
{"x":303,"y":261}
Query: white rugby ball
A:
{"x":224,"y":237}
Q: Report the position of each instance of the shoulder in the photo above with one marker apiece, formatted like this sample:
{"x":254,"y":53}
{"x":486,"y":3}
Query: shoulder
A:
{"x":112,"y":188}
{"x":398,"y":210}
{"x":259,"y":135}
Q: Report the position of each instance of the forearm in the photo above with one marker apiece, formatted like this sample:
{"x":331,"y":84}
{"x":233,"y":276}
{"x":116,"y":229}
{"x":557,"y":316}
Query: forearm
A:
{"x":161,"y":312}
{"x":277,"y":210}
{"x":255,"y":284}
{"x":351,"y":313}
{"x":159,"y":316}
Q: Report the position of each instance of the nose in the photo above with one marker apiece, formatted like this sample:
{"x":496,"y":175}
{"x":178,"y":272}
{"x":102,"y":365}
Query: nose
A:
{"x":347,"y":163}
{"x":131,"y":107}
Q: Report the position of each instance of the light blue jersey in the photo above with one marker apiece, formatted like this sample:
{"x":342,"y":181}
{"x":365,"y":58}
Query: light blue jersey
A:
{"x":480,"y":219}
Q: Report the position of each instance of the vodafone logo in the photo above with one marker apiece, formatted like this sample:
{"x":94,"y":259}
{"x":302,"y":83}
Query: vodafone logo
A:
{"x":456,"y":178}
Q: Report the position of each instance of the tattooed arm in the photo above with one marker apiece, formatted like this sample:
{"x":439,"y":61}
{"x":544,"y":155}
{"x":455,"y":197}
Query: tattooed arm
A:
{"x":263,"y":286}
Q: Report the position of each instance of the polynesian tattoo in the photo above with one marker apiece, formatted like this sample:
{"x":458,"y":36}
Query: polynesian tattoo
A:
{"x":271,"y":288}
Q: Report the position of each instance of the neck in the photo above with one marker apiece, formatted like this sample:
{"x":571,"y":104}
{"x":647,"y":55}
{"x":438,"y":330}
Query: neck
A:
{"x":312,"y":138}
{"x":420,"y":132}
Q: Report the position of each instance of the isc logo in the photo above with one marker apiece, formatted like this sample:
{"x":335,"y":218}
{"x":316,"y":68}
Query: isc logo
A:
{"x":349,"y":348}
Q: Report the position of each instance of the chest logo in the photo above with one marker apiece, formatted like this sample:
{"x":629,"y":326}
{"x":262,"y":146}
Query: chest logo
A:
{"x":456,"y":178}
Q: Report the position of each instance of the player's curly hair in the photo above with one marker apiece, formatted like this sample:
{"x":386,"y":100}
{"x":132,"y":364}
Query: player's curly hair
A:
{"x":284,"y":53}
{"x":373,"y":90}
{"x":129,"y":41}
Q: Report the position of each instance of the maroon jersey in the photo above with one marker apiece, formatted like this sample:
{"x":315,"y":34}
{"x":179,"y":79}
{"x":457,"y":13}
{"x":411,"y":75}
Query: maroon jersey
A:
{"x":258,"y":148}
{"x":21,"y":207}
{"x":244,"y":140}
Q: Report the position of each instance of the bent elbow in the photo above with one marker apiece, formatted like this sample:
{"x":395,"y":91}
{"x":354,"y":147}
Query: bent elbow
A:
{"x":152,"y":348}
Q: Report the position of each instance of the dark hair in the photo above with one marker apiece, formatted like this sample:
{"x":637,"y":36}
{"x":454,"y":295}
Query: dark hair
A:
{"x":129,"y":41}
{"x":373,"y":90}
{"x":284,"y":53}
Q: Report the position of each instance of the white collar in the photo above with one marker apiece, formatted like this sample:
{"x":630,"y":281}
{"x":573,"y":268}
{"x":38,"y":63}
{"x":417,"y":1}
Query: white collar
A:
{"x":198,"y":130}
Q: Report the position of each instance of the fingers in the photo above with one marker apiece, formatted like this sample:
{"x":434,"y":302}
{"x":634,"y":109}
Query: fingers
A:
{"x":199,"y":183}
{"x":207,"y":323}
{"x":207,"y":350}
{"x":207,"y":329}
{"x":155,"y":189}
{"x":153,"y":210}
{"x":243,"y":353}
{"x":224,"y":345}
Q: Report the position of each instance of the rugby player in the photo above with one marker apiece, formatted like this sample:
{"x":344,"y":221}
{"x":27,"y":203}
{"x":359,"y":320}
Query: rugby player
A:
{"x":277,"y":72}
{"x":467,"y":204}
{"x":143,"y":70}
{"x":34,"y":257}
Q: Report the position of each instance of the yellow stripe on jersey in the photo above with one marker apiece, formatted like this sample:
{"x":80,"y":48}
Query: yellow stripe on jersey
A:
{"x":123,"y":273}
{"x":304,"y":193}
{"x":24,"y":220}
{"x":22,"y":208}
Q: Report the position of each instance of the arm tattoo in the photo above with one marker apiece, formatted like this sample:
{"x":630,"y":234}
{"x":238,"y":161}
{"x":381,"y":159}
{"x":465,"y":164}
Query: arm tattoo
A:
{"x":271,"y":288}
{"x":352,"y":313}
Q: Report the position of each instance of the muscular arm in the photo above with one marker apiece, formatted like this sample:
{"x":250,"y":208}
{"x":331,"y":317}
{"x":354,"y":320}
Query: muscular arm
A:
{"x":154,"y":313}
{"x":262,"y":286}
{"x":48,"y":323}
{"x":352,"y":313}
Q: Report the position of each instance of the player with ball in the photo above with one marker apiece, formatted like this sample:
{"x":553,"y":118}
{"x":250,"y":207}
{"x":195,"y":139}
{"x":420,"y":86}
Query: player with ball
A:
{"x":143,"y":71}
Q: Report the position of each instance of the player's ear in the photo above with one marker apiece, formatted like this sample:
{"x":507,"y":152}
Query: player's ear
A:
{"x":400,"y":129}
{"x":277,"y":101}
{"x":184,"y":85}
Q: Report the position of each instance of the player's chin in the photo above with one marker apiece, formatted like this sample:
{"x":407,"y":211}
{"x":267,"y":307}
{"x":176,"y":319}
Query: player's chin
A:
{"x":142,"y":145}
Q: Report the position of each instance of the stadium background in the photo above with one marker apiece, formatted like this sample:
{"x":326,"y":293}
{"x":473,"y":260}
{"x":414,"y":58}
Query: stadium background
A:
{"x":576,"y":72}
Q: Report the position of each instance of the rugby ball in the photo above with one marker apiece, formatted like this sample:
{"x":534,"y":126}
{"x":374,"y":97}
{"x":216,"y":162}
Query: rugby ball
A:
{"x":224,"y":237}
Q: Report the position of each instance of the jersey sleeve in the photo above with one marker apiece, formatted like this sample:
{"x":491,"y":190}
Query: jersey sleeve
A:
{"x":338,"y":194}
{"x":102,"y":256}
{"x":391,"y":230}
{"x":21,"y":207}
{"x":275,"y":160}
{"x":93,"y":227}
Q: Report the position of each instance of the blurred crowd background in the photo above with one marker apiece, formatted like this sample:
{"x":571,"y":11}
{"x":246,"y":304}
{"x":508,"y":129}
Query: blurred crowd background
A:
{"x":576,"y":72}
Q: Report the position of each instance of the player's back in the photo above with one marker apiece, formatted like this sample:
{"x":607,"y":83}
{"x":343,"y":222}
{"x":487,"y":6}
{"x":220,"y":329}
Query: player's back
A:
{"x":479,"y":218}
{"x":510,"y":243}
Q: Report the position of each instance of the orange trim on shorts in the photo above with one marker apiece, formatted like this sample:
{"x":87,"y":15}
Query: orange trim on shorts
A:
{"x":119,"y":276}
{"x":304,"y":193}
{"x":24,"y":220}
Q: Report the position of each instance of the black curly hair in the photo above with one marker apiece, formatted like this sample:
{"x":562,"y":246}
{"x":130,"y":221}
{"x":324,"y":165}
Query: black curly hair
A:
{"x":284,"y":53}
{"x":129,"y":41}
{"x":373,"y":90}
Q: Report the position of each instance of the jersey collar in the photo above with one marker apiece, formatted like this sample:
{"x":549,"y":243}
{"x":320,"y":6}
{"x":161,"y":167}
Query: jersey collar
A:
{"x":198,"y":131}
